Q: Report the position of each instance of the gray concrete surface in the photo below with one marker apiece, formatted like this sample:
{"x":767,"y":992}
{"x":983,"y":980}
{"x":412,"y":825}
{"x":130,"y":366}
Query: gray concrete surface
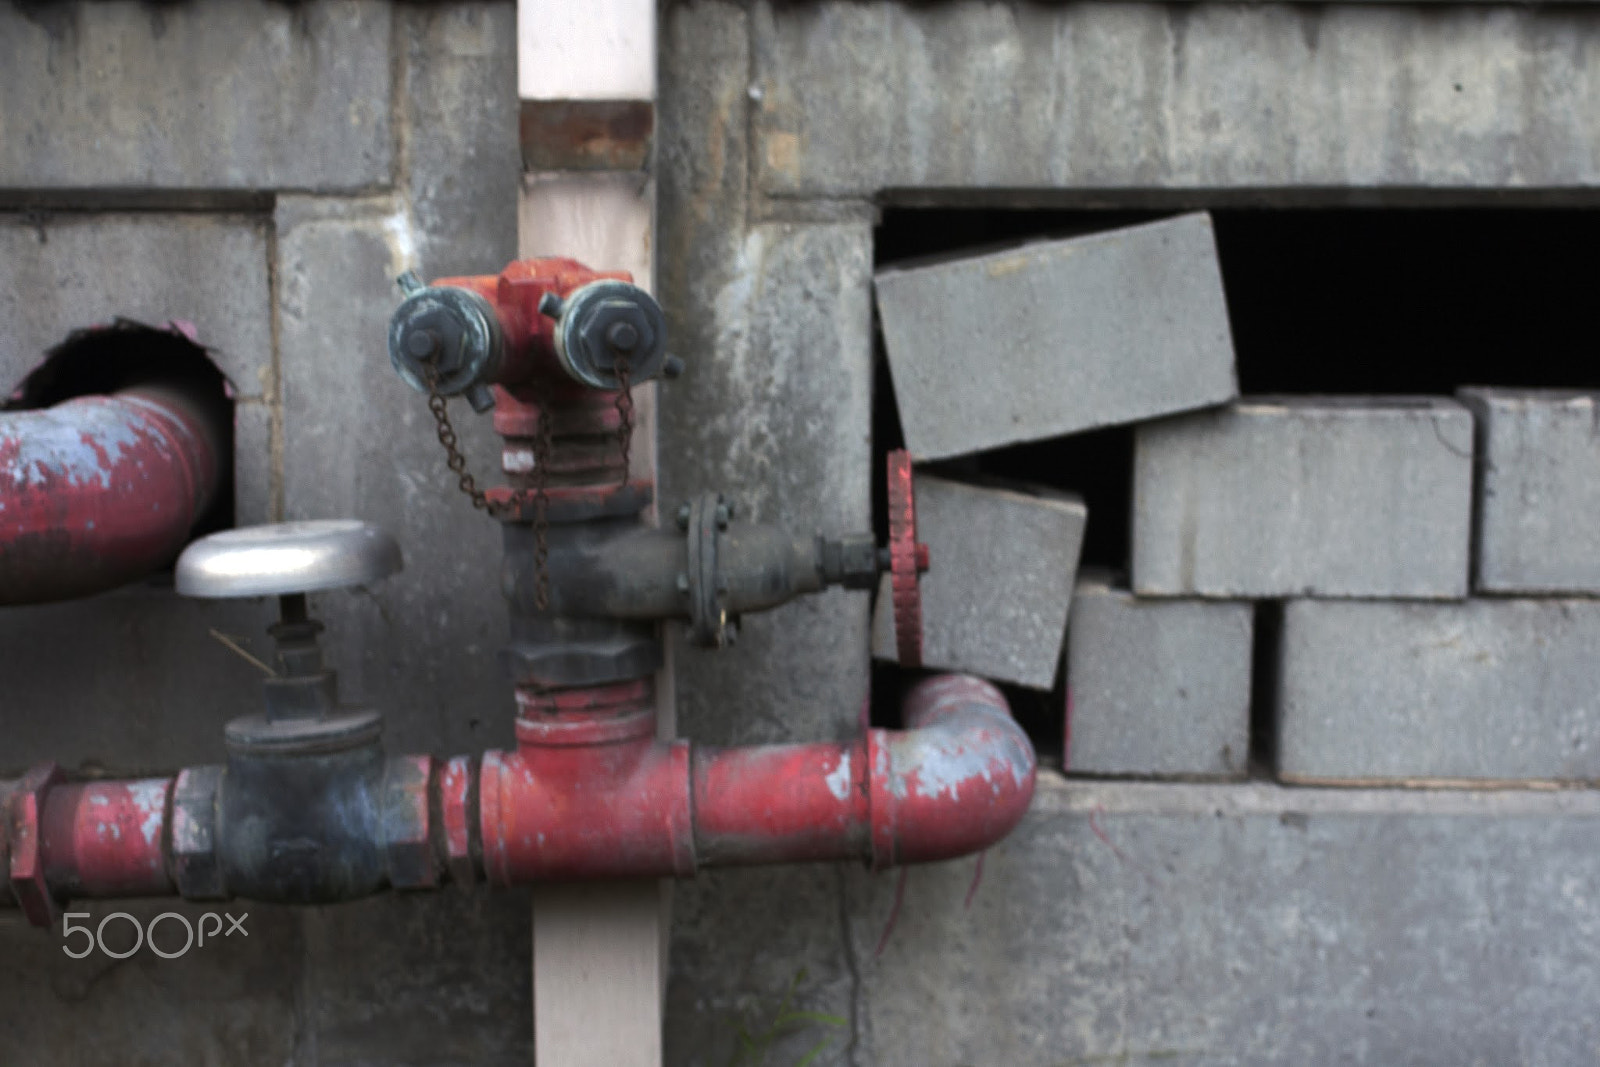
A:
{"x":1484,"y":689}
{"x":1157,"y":687}
{"x":1331,"y":496}
{"x":995,"y":600}
{"x":1055,"y":337}
{"x":239,"y":96}
{"x":1210,"y":925}
{"x":1357,"y":100}
{"x":65,"y":272}
{"x":1538,"y":508}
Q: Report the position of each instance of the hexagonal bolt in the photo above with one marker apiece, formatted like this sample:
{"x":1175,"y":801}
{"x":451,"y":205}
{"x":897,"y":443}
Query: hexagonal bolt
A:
{"x":196,"y":868}
{"x":683,"y":516}
{"x":551,"y":305}
{"x":623,"y":336}
{"x":28,"y":882}
{"x":412,"y":864}
{"x":409,"y":282}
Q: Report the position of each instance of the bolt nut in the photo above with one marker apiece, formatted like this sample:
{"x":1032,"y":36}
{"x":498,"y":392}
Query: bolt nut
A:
{"x":195,"y":865}
{"x":683,"y":516}
{"x":412,"y":864}
{"x":28,"y":882}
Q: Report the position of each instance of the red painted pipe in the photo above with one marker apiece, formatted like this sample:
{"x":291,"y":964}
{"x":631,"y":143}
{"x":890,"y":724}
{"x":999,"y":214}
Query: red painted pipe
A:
{"x":590,"y":793}
{"x":107,"y":839}
{"x":101,"y":490}
{"x":957,"y":780}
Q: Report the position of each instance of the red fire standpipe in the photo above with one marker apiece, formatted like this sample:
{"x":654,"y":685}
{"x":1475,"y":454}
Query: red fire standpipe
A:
{"x":98,"y":491}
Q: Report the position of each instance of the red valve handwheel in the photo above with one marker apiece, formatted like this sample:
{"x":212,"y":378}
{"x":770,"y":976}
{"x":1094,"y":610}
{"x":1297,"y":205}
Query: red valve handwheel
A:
{"x":907,"y":560}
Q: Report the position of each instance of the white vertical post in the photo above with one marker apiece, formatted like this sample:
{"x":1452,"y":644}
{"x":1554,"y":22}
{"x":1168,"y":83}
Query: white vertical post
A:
{"x":586,"y":75}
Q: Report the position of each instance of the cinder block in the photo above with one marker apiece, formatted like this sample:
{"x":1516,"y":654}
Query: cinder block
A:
{"x":64,"y":273}
{"x":251,"y":95}
{"x":996,"y":599}
{"x":1326,"y":496}
{"x":1244,"y":925}
{"x":1157,"y":687}
{"x":1056,"y":337}
{"x":1538,"y":507}
{"x":1483,"y":689}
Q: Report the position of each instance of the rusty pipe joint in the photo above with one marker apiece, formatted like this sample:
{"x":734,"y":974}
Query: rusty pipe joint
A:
{"x":707,"y":570}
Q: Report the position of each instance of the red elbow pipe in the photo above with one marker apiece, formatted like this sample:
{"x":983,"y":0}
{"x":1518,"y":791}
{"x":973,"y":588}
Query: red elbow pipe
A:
{"x":101,"y":490}
{"x":568,"y":804}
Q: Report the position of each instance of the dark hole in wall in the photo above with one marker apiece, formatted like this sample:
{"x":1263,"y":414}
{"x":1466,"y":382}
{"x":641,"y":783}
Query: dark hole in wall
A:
{"x":106,"y":359}
{"x":1325,"y":300}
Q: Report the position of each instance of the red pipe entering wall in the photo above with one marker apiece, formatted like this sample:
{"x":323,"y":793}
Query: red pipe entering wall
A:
{"x":101,"y":490}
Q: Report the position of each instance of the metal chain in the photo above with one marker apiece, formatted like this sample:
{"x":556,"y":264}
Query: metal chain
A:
{"x":541,"y":469}
{"x":625,"y":409}
{"x":453,"y":457}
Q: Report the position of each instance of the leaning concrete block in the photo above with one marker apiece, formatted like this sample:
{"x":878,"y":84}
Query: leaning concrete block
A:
{"x":1056,"y":337}
{"x":1157,"y":687}
{"x":1484,"y":689}
{"x":1328,"y":496}
{"x":1538,"y":509}
{"x":995,"y":601}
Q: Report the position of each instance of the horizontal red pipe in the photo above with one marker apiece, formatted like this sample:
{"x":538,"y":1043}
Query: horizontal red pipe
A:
{"x":590,"y":793}
{"x":107,"y":839}
{"x":957,"y":780}
{"x":101,"y":490}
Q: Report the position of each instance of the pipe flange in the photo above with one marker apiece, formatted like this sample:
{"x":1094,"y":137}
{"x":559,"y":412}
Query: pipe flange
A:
{"x":706,"y":517}
{"x":407,"y":822}
{"x":907,"y":560}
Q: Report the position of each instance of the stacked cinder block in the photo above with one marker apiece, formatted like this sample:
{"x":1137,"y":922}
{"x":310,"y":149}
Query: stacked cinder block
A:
{"x":1434,"y":560}
{"x":1501,"y":686}
{"x":1042,"y":341}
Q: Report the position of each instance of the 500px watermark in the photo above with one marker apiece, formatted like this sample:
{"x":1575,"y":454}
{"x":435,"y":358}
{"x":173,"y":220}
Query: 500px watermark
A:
{"x":146,"y":934}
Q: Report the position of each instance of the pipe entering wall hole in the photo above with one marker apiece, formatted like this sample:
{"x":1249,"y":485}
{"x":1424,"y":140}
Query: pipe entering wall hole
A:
{"x":125,"y":354}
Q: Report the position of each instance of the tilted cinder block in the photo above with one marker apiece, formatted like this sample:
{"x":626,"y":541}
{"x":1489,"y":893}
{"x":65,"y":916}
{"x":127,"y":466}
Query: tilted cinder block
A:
{"x":1483,"y":689}
{"x":1157,"y":687}
{"x":1056,"y":337}
{"x":1003,"y":564}
{"x":1305,"y":496}
{"x":1538,"y":508}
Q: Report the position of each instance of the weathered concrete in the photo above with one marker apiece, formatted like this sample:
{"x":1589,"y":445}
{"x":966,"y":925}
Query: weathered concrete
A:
{"x":1538,"y":507}
{"x":858,"y":98}
{"x":1485,"y":689}
{"x":1157,"y":687}
{"x":250,"y":95}
{"x":128,"y":681}
{"x":995,"y":601}
{"x":775,"y":411}
{"x":62,"y":273}
{"x":255,"y":483}
{"x":358,"y":443}
{"x":420,"y":979}
{"x":231,"y":1002}
{"x":1352,"y":496}
{"x":1057,"y":336}
{"x":1241,"y":925}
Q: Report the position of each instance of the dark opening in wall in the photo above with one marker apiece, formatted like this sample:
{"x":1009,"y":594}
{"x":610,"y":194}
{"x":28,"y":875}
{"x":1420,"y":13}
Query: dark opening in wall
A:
{"x":1326,"y":300}
{"x":125,"y":354}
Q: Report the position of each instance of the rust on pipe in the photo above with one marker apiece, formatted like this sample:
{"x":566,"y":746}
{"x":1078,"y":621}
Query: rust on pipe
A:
{"x":99,"y":491}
